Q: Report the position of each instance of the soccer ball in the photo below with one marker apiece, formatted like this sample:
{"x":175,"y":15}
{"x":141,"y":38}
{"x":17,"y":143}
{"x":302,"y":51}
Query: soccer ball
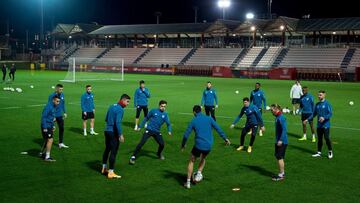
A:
{"x":237,"y":92}
{"x":31,"y":86}
{"x":197,"y":177}
{"x":12,"y":89}
{"x":18,"y":90}
{"x":52,"y":87}
{"x":267,"y":108}
{"x":351,"y":103}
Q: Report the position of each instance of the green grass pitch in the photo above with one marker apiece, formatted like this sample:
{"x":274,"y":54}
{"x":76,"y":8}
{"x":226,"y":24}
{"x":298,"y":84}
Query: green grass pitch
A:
{"x":75,"y":176}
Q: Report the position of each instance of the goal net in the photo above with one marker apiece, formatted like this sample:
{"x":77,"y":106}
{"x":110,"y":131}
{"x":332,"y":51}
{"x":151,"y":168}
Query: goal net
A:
{"x":90,"y":69}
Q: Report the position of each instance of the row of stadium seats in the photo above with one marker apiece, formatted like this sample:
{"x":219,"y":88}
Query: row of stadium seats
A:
{"x":314,"y":57}
{"x":214,"y":57}
{"x":355,"y":61}
{"x":158,"y":56}
{"x":129,"y":55}
{"x":295,"y":57}
{"x":268,"y":59}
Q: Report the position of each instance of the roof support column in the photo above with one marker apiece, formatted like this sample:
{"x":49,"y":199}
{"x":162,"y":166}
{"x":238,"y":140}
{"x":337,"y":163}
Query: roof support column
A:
{"x":314,"y":39}
{"x":283,"y":38}
{"x":135,"y":41}
{"x":227,"y":39}
{"x":348,"y":37}
{"x":178,"y":40}
{"x":254,"y":38}
{"x":202,"y":40}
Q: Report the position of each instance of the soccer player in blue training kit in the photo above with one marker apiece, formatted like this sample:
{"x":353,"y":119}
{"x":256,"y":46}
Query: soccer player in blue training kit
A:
{"x":281,"y":140}
{"x":253,"y":120}
{"x":323,"y":111}
{"x":208,"y":98}
{"x":113,"y":134}
{"x":307,"y":109}
{"x":141,"y":97}
{"x":88,"y":110}
{"x":60,"y":113}
{"x":202,"y":125}
{"x":48,"y":127}
{"x":156,"y":118}
{"x":257,"y":98}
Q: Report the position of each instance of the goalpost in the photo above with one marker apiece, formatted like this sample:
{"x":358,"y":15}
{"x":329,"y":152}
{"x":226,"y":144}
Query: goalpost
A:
{"x":90,"y":69}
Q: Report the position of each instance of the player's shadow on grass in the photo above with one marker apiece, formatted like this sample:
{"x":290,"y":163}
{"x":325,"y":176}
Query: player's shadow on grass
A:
{"x":94,"y":165}
{"x":34,"y":152}
{"x":179,"y":177}
{"x":147,"y":153}
{"x":128,"y":124}
{"x":302,"y":149}
{"x":258,"y":169}
{"x":39,"y":141}
{"x":294,"y":135}
{"x":76,"y":130}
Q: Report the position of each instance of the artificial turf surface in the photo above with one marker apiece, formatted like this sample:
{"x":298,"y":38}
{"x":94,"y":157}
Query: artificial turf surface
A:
{"x":75,"y":176}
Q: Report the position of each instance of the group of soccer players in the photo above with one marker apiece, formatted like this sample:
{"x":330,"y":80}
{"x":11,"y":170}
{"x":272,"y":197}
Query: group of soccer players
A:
{"x":201,"y":124}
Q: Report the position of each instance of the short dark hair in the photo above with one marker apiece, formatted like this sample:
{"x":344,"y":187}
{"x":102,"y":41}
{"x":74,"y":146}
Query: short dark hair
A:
{"x":258,"y":84}
{"x":305,"y":87}
{"x":246,"y":99}
{"x":124,"y":96}
{"x":162,"y":102}
{"x":277,"y":106}
{"x":209,"y":82}
{"x":59,"y":85}
{"x":322,"y":91}
{"x":88,"y":86}
{"x":56,"y":97}
{"x":197,"y":109}
{"x":141,"y":82}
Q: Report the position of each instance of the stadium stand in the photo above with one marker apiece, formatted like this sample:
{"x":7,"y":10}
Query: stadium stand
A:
{"x":314,"y":58}
{"x":88,"y":52}
{"x":214,"y":57}
{"x":250,"y":57}
{"x":160,"y":57}
{"x":128,"y":54}
{"x":270,"y":56}
{"x":355,"y":61}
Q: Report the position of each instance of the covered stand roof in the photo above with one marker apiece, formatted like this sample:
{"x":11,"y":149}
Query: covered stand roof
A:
{"x":219,"y":27}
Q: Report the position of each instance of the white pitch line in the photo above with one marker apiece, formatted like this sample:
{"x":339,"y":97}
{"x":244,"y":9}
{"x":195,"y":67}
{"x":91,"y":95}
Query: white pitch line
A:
{"x":227,"y":117}
{"x":11,"y":107}
{"x":35,"y":105}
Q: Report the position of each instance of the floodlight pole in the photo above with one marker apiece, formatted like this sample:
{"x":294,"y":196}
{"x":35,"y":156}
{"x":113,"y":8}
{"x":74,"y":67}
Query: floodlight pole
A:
{"x":42,"y":22}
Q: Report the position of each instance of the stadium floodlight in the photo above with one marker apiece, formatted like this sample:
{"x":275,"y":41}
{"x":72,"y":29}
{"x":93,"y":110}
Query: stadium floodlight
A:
{"x":250,"y":16}
{"x":70,"y":37}
{"x":282,"y":27}
{"x":334,"y":33}
{"x":224,"y":4}
{"x":252,"y":28}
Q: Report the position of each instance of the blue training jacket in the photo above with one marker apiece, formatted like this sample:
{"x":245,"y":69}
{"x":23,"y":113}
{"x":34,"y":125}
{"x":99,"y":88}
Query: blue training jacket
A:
{"x":113,"y":119}
{"x":208,"y":97}
{"x":141,"y":97}
{"x":322,"y":109}
{"x":48,"y":116}
{"x":253,"y":115}
{"x":156,"y":119}
{"x":307,"y":103}
{"x":202,"y":125}
{"x":60,"y":109}
{"x":257,"y":97}
{"x":281,"y":129}
{"x":87,"y":102}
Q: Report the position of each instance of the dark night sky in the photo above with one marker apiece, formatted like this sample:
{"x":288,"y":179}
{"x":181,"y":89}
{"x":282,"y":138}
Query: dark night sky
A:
{"x":25,"y":14}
